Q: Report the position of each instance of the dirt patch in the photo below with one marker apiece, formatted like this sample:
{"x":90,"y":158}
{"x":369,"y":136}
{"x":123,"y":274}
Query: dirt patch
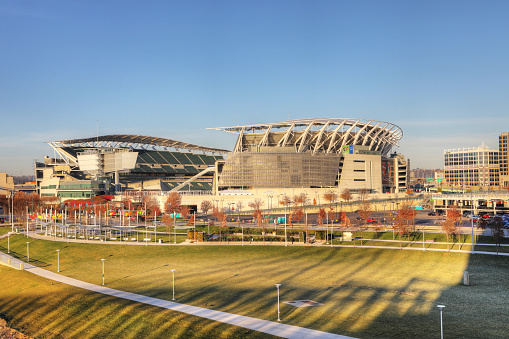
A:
{"x":9,"y":333}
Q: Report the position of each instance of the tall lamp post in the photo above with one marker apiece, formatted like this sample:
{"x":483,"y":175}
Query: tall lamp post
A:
{"x":472,"y":219}
{"x":278,"y":313}
{"x":441,"y":323}
{"x":103,"y":269}
{"x":58,"y":260}
{"x":286,"y":236}
{"x":173,"y":279}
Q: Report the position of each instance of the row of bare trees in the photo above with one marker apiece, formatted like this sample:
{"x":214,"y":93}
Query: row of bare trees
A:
{"x":22,"y":202}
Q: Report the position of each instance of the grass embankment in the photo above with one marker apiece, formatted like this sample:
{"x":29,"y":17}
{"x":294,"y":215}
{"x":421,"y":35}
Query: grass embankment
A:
{"x":5,"y":229}
{"x":45,"y":309}
{"x":366,"y":293}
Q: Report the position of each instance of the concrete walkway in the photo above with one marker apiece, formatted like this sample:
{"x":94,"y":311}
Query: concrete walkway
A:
{"x":260,"y":243}
{"x":264,"y":326}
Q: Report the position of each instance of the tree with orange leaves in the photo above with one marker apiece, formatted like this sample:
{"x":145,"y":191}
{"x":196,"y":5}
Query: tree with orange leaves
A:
{"x":450,"y":225}
{"x":403,"y":217}
{"x":256,"y":205}
{"x":221,"y":217}
{"x":321,"y":215}
{"x":331,"y":197}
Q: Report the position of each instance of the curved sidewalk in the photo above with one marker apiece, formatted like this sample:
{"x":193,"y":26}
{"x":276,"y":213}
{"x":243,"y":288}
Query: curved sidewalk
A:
{"x":264,"y":326}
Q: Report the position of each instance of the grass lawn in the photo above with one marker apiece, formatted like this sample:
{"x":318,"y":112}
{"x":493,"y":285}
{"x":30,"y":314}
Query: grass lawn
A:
{"x":366,"y":293}
{"x":5,"y":229}
{"x":45,"y":309}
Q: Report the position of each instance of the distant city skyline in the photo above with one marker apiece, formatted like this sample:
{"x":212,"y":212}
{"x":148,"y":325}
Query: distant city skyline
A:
{"x":172,"y":69}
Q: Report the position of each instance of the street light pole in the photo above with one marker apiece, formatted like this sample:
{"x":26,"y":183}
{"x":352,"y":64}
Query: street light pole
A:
{"x":286,"y":237}
{"x":58,"y":260}
{"x":441,"y":323}
{"x":472,"y":219}
{"x":173,"y":278}
{"x":194,"y":221}
{"x":278,"y":313}
{"x":103,"y":269}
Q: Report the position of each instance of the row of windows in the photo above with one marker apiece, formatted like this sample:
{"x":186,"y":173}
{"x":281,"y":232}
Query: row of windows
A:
{"x":75,"y":195}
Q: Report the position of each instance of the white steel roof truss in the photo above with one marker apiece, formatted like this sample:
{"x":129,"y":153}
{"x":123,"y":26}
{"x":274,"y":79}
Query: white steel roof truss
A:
{"x":377,"y":136}
{"x":367,"y":136}
{"x":302,"y":138}
{"x":319,"y":136}
{"x":333,"y":136}
{"x":263,"y":142}
{"x":381,"y":139}
{"x":284,"y":140}
{"x":359,"y":132}
{"x":344,"y":137}
{"x":238,"y":145}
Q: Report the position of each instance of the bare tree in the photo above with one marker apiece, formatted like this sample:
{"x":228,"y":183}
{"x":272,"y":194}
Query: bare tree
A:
{"x":497,"y":231}
{"x":206,"y":205}
{"x":363,"y":194}
{"x":346,"y":195}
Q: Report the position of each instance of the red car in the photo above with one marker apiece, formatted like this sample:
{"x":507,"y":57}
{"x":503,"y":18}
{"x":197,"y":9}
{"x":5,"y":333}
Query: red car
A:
{"x":372,"y":220}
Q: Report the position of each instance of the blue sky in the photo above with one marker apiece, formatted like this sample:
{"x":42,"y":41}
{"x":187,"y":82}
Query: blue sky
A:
{"x":437,"y":69}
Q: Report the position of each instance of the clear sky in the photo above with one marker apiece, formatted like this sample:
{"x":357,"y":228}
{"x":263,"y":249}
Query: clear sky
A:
{"x":437,"y":69}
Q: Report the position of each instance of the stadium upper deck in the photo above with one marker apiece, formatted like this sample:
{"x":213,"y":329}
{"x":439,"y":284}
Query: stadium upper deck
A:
{"x":135,"y":158}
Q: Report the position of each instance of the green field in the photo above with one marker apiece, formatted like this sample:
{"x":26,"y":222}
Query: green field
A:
{"x":366,"y":293}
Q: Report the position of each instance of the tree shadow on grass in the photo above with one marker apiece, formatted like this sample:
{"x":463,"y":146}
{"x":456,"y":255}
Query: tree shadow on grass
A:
{"x":23,"y":257}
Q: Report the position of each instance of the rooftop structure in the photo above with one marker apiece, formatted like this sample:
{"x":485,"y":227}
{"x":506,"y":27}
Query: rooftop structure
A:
{"x":318,"y":135}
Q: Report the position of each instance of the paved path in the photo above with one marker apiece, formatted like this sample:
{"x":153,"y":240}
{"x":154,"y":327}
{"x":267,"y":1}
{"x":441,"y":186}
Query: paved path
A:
{"x":260,"y":243}
{"x":265,"y":326}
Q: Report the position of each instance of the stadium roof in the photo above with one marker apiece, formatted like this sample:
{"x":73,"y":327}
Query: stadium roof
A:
{"x":131,"y":141}
{"x":311,"y":122}
{"x":319,"y":135}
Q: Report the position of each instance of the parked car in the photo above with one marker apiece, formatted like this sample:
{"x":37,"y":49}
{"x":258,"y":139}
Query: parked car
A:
{"x":432,"y":213}
{"x":372,"y":220}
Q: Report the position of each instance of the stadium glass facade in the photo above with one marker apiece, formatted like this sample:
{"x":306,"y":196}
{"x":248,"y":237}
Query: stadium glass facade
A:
{"x":272,"y":170}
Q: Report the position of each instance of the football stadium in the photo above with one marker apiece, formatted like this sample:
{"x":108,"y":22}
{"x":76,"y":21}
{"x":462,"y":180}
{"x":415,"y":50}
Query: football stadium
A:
{"x":116,"y":163}
{"x":297,"y":154}
{"x":315,"y":153}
